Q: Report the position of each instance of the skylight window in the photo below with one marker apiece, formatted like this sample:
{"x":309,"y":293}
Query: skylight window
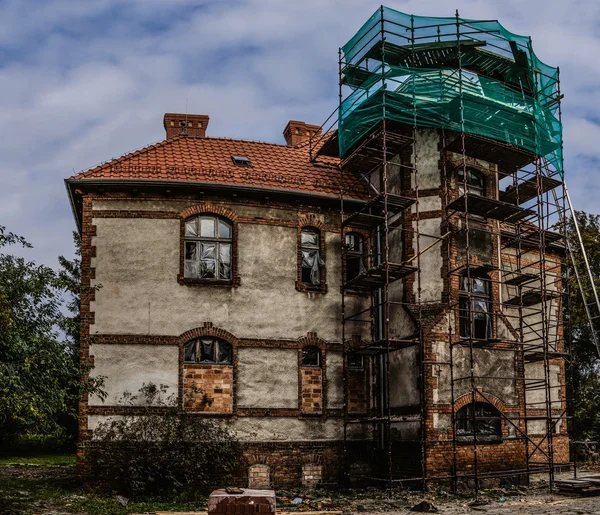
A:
{"x":241,"y":161}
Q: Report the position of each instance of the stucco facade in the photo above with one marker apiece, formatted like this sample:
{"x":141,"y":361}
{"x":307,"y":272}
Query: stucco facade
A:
{"x":142,"y":311}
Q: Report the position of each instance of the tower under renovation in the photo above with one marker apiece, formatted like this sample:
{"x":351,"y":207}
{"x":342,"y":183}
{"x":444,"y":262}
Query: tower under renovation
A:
{"x":455,"y":127}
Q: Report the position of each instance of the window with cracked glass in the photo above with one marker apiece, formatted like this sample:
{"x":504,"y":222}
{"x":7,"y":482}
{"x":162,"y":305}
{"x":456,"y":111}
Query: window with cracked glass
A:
{"x":208,"y":248}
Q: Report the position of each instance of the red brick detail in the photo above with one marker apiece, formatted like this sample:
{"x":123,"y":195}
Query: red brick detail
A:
{"x":210,"y":378}
{"x":467,"y":398}
{"x":357,"y":391}
{"x":312,"y":390}
{"x":208,"y":388}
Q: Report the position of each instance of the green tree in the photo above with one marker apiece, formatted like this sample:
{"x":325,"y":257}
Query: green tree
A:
{"x":39,"y":344}
{"x":585,"y":363}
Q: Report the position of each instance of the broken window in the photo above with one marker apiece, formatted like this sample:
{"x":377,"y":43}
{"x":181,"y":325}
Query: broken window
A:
{"x":311,"y":356}
{"x":209,"y":351}
{"x":475,"y":307}
{"x":311,"y":256}
{"x":208,"y":248}
{"x":475,"y":182}
{"x":355,"y":264}
{"x":480,"y":418}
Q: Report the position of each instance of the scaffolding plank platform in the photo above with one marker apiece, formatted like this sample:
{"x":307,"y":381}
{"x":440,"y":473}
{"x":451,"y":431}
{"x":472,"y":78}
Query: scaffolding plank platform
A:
{"x":531,"y":239}
{"x":489,"y":208}
{"x":528,"y":190}
{"x":540,"y":356}
{"x":531,"y":298}
{"x":364,"y":220}
{"x":378,"y":347}
{"x":368,"y":152}
{"x":509,"y":158}
{"x":375,"y":278}
{"x":520,"y":278}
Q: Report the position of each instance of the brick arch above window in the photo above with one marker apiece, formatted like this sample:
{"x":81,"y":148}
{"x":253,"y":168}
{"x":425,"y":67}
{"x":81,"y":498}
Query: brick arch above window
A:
{"x":208,"y":330}
{"x":482,"y":397}
{"x":218,"y":211}
{"x":208,"y":208}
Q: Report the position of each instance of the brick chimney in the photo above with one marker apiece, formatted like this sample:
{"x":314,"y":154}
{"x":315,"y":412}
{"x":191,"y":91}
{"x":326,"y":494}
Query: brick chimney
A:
{"x":297,"y":132}
{"x":189,"y":124}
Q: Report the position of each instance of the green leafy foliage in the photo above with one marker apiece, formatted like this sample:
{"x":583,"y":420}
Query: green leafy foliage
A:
{"x":39,"y":345}
{"x":585,"y":364}
{"x":161,"y":449}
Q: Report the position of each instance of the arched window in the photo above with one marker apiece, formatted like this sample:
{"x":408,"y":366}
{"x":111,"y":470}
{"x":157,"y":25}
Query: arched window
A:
{"x":487,"y":420}
{"x":475,"y":182}
{"x":354,"y":255}
{"x":208,"y":350}
{"x":208,"y":251}
{"x":311,"y":356}
{"x":311,"y":256}
{"x":355,"y":361}
{"x":475,"y":307}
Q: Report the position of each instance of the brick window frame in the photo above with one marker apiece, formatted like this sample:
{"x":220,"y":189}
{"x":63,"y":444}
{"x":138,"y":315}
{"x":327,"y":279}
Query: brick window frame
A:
{"x":313,"y":223}
{"x":207,"y":330}
{"x":311,"y":340}
{"x":209,"y":209}
{"x":482,"y":398}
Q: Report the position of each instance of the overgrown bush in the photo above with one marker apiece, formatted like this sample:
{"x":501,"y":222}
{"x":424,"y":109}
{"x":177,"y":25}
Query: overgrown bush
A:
{"x":161,"y":449}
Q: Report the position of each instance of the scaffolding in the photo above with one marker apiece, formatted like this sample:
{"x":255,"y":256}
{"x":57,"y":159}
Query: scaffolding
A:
{"x":492,"y":106}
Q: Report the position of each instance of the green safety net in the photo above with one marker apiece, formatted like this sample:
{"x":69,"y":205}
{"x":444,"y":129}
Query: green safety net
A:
{"x":449,"y":73}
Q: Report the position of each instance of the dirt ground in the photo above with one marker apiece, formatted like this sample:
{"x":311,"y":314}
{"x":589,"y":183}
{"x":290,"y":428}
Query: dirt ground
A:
{"x":53,"y":491}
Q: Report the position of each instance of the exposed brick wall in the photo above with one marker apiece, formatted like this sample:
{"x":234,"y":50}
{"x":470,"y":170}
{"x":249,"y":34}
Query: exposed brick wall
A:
{"x":312,"y":389}
{"x":208,"y":388}
{"x":357,"y":391}
{"x":312,"y":473}
{"x":259,"y":476}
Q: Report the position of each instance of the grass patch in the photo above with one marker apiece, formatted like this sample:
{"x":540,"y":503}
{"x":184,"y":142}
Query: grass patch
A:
{"x":40,"y":460}
{"x":38,"y":491}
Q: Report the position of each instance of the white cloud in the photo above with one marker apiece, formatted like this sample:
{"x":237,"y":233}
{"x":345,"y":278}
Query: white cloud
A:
{"x":83,"y":82}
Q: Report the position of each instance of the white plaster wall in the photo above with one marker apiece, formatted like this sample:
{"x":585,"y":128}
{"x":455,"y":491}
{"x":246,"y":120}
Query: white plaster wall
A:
{"x":536,"y":398}
{"x":335,"y":387}
{"x":127,"y":367}
{"x":428,"y":156}
{"x":267,"y":378}
{"x":278,"y":429}
{"x":404,"y":377}
{"x":137,"y":265}
{"x":430,"y":261}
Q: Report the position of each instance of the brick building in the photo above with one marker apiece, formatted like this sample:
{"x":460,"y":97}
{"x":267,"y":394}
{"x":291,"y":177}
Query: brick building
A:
{"x":394,"y":313}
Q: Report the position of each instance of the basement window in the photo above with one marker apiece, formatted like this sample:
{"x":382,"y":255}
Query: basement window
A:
{"x":208,"y":351}
{"x":242,"y":161}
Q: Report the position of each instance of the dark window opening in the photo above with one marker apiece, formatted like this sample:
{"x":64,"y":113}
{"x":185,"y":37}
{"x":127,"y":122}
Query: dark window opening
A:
{"x":311,"y":356}
{"x":241,"y":161}
{"x":355,"y":361}
{"x":208,"y":248}
{"x":311,"y":257}
{"x":210,"y":351}
{"x":481,"y":419}
{"x":475,"y":308}
{"x":475,"y":182}
{"x":354,"y":256}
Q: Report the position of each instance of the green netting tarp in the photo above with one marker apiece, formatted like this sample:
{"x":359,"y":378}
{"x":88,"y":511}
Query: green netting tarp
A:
{"x":449,"y":73}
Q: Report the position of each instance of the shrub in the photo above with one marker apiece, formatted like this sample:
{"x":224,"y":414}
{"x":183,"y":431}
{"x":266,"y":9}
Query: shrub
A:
{"x":161,"y":449}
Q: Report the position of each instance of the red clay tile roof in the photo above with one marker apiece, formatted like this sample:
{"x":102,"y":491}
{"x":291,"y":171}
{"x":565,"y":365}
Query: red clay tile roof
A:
{"x":208,"y":160}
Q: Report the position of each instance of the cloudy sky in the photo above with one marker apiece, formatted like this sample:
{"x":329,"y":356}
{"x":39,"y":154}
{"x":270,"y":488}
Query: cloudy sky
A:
{"x":85,"y":81}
